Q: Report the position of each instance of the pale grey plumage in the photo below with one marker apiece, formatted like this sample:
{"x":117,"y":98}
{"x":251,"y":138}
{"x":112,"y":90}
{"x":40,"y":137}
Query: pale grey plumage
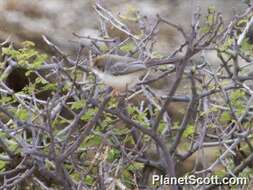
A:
{"x":118,"y":71}
{"x":122,"y":68}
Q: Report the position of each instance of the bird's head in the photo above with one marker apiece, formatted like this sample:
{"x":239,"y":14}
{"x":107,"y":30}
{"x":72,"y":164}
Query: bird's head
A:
{"x":99,"y":63}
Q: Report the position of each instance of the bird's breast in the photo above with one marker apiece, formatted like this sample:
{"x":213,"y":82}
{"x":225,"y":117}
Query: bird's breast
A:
{"x":120,"y":82}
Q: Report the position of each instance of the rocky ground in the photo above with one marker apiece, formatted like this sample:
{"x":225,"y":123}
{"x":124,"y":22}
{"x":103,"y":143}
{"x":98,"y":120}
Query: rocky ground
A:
{"x":58,"y":19}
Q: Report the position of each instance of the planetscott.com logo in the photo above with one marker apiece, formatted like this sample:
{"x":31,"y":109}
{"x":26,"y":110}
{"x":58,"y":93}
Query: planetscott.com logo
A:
{"x":194,"y":180}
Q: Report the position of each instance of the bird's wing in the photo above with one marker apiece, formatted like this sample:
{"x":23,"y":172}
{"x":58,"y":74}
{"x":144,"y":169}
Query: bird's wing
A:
{"x":122,"y":68}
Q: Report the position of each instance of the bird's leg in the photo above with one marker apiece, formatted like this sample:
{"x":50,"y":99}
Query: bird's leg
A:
{"x":118,"y":92}
{"x":115,"y":92}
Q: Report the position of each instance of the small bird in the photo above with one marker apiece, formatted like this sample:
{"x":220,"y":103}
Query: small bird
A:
{"x":119,"y":72}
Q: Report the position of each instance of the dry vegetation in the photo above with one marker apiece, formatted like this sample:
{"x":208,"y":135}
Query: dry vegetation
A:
{"x":60,"y":128}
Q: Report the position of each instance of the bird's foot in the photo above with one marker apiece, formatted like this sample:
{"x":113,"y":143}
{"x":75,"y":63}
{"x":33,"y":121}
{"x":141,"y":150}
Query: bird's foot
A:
{"x":115,"y":92}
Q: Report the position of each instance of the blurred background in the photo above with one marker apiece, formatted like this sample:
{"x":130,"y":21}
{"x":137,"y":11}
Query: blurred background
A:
{"x":57,"y":19}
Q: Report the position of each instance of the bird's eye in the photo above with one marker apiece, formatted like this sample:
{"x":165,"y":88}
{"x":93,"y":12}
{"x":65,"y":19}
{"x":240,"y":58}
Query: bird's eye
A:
{"x":100,"y":67}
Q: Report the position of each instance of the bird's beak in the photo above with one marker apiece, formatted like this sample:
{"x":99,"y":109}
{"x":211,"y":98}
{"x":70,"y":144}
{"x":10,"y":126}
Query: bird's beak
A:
{"x":95,"y":71}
